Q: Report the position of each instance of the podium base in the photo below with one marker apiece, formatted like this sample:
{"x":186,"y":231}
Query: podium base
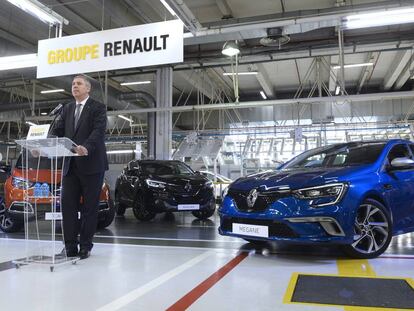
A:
{"x":52,"y":261}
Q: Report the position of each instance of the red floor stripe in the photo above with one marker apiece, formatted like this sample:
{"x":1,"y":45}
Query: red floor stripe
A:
{"x":188,"y":299}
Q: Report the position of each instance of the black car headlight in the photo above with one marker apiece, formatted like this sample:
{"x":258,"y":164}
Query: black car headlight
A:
{"x":21,"y":183}
{"x":322,"y":195}
{"x":155,"y":183}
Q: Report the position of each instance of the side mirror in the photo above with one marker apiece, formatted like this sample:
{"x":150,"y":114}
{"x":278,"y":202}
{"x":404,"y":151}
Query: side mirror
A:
{"x":402,"y":163}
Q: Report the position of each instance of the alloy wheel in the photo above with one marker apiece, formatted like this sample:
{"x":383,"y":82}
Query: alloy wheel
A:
{"x":371,"y":229}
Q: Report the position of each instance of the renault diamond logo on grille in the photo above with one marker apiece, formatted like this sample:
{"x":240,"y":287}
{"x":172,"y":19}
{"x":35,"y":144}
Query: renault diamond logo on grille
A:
{"x":251,"y":198}
{"x":188,"y":187}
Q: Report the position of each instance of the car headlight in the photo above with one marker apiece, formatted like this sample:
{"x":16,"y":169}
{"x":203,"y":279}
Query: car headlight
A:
{"x":21,"y":183}
{"x":209,"y":184}
{"x":322,"y":195}
{"x":155,"y":183}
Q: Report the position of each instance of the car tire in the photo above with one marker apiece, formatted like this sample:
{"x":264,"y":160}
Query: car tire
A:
{"x":109,"y":216}
{"x":7,"y":224}
{"x":372,"y":231}
{"x":119,"y":207}
{"x":140,"y":211}
{"x":203,"y":214}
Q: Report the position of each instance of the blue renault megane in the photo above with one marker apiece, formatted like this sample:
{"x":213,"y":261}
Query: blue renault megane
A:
{"x":356,"y":194}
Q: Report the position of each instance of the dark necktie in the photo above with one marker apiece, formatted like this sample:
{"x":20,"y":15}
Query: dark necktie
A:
{"x":77,"y":113}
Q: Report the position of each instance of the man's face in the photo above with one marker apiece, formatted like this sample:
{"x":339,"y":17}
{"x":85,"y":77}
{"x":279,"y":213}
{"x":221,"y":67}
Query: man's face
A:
{"x":79,"y":89}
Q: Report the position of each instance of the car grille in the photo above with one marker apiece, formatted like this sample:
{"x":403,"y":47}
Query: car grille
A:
{"x":261,"y":204}
{"x":276,"y":228}
{"x":179,"y":189}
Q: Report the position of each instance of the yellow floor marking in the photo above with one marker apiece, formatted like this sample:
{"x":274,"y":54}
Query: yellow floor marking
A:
{"x":346,"y":268}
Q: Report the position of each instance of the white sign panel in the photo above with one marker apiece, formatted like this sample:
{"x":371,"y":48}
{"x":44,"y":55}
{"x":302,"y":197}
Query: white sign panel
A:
{"x":38,"y":131}
{"x":188,"y":207}
{"x":135,"y":46}
{"x":53,"y":216}
{"x":252,"y":230}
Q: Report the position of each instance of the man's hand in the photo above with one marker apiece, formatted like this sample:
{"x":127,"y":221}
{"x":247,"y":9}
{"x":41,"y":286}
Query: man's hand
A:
{"x":81,"y":150}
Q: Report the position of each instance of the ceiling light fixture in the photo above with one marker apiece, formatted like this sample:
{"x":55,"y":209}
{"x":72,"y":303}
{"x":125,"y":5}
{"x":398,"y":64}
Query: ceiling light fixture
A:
{"x":135,"y":83}
{"x":18,"y":61}
{"x":353,"y":65}
{"x":382,"y":18}
{"x":52,"y":91}
{"x":43,"y":113}
{"x":125,"y":118}
{"x":230,"y":48}
{"x":40,"y":11}
{"x":263,"y":95}
{"x":30,"y":123}
{"x":244,"y":73}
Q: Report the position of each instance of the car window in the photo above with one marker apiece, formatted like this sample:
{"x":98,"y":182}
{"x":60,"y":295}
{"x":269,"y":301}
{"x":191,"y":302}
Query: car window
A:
{"x":338,"y":155}
{"x":398,"y":151}
{"x":412,"y":148}
{"x":166,"y":168}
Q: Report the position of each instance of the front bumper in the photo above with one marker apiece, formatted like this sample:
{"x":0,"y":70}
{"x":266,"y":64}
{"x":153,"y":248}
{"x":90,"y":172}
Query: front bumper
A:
{"x":292,"y":219}
{"x":169,"y":202}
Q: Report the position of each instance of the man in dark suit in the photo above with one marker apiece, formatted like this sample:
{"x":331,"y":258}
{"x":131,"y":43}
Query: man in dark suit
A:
{"x":83,"y":121}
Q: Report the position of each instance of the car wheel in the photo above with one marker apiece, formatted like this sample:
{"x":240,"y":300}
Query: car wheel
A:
{"x":372,"y":231}
{"x":203,"y":214}
{"x":120,"y":208}
{"x":140,"y":210}
{"x":7,"y":224}
{"x":109,"y":216}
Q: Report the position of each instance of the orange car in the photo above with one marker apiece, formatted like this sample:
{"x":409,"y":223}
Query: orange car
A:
{"x":12,"y":208}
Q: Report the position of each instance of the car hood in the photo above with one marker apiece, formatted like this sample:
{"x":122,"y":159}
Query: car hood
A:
{"x":298,"y":178}
{"x":180,"y":179}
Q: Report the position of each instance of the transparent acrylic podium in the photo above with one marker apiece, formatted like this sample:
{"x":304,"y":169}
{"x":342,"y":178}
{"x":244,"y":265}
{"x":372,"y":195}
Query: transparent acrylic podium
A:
{"x":41,"y":165}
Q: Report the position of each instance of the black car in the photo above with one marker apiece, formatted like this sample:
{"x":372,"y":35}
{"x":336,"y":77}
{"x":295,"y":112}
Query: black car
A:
{"x":156,"y":186}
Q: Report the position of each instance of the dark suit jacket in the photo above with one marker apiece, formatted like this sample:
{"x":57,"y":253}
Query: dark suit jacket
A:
{"x":90,"y":133}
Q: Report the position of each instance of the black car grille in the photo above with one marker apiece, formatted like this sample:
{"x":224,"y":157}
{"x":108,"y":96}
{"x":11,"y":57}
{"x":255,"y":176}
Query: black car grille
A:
{"x":182,"y":191}
{"x":276,"y":228}
{"x":264,"y":199}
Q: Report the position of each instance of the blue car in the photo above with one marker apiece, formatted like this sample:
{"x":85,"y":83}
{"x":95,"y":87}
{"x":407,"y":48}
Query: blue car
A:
{"x":356,"y":194}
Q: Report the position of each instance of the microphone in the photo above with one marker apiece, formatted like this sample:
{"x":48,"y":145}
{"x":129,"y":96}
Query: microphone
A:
{"x":57,"y":110}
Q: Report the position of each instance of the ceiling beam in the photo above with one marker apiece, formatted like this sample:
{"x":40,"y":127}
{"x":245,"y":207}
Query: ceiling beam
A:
{"x":375,"y":98}
{"x":405,"y":74}
{"x":185,"y":14}
{"x":118,"y":13}
{"x":224,"y":9}
{"x":397,"y":66}
{"x":264,"y":81}
{"x":17,"y":40}
{"x":366,"y":72}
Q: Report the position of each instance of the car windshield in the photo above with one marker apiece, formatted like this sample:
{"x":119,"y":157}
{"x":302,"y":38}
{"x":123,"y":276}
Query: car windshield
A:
{"x":167,"y":168}
{"x":338,"y":156}
{"x":41,"y":163}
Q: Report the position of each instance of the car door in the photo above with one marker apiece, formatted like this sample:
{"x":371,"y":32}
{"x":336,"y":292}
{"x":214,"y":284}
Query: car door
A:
{"x":399,"y":188}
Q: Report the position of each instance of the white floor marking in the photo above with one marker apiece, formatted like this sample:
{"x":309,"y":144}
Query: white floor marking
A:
{"x":140,"y":291}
